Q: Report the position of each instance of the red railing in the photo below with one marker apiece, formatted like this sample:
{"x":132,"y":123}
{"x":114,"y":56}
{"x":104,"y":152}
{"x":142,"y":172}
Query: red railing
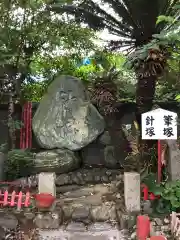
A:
{"x":14,"y":199}
{"x":12,"y":196}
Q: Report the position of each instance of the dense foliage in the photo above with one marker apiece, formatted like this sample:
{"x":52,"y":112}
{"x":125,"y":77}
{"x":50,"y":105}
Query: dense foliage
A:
{"x":40,"y":40}
{"x":28,"y":32}
{"x":135,"y":24}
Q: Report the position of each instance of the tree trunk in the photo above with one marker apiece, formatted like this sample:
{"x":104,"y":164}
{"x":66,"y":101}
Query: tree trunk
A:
{"x":145,"y":91}
{"x":12,"y":137}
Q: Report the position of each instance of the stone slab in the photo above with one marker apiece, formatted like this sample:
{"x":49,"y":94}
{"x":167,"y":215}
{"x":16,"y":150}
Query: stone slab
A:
{"x":46,"y":183}
{"x":64,"y":235}
{"x":132,"y":193}
{"x":173,"y":160}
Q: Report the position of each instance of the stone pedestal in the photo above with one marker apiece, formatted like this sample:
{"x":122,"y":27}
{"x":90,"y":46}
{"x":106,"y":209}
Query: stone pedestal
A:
{"x":46,"y":183}
{"x":173,"y":160}
{"x":132,"y":191}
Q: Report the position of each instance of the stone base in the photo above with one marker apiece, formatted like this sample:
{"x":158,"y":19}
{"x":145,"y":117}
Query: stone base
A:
{"x":104,"y":232}
{"x":81,"y":176}
{"x":83,"y":210}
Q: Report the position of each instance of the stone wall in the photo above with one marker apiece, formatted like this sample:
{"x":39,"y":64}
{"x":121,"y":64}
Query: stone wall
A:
{"x":101,"y":151}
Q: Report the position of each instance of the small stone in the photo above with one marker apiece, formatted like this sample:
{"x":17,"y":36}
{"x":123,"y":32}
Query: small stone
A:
{"x":8,"y":221}
{"x":118,"y":195}
{"x":105,"y":138}
{"x":79,"y":193}
{"x":47,"y":220}
{"x":89,"y":178}
{"x":165,"y":228}
{"x":158,"y":233}
{"x":147,"y":207}
{"x":100,"y":227}
{"x":166,"y":220}
{"x":97,"y":178}
{"x":104,"y":212}
{"x":80,"y":214}
{"x":119,"y":184}
{"x":62,"y":179}
{"x":74,"y":226}
{"x":153,"y":223}
{"x":105,"y":179}
{"x":133,"y":235}
{"x":76,"y":180}
{"x":152,"y":229}
{"x":124,"y":233}
{"x":2,"y":233}
{"x":103,"y":189}
{"x":158,"y":228}
{"x":126,"y":221}
{"x":29,"y":215}
{"x":67,"y":188}
{"x":67,"y":210}
{"x":158,"y":221}
{"x":80,"y":176}
{"x":109,"y":173}
{"x":119,"y":177}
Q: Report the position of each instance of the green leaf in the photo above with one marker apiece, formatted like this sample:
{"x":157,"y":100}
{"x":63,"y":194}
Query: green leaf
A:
{"x":162,"y":206}
{"x":170,"y":185}
{"x":158,"y":190}
{"x":177,"y":98}
{"x":175,"y":202}
{"x":159,"y":36}
{"x":154,"y":46}
{"x":177,"y":6}
{"x":150,"y":181}
{"x":163,"y":18}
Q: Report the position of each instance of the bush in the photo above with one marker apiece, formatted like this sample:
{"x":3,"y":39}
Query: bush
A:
{"x":19,"y":164}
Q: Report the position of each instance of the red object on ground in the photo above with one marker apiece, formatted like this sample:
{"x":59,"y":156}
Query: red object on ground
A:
{"x":143,"y":227}
{"x":44,"y":200}
{"x":159,"y":161}
{"x":158,"y":238}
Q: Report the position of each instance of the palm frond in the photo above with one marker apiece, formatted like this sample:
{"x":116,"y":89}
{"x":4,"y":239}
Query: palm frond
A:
{"x":132,"y":20}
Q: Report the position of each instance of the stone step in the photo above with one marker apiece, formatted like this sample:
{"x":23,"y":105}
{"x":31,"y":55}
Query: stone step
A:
{"x":83,"y":214}
{"x":78,"y":231}
{"x":89,"y":203}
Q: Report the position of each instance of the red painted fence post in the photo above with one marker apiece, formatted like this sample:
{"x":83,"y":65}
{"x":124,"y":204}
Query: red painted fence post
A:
{"x":19,"y":202}
{"x":143,"y":227}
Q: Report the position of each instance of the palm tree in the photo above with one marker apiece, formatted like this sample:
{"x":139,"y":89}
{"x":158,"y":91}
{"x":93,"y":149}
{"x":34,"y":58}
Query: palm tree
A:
{"x":134,"y":22}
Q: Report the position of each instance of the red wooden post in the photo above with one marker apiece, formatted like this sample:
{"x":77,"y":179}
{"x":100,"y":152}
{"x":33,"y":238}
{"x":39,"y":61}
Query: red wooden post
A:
{"x":12,"y":201}
{"x":145,"y":192}
{"x":19,"y":202}
{"x":5,"y":201}
{"x":143,"y":227}
{"x":159,"y":161}
{"x":27,"y":199}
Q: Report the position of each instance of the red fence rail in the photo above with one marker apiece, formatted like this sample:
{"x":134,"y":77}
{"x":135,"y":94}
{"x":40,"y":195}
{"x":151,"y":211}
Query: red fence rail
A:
{"x":12,"y":196}
{"x":14,"y":199}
